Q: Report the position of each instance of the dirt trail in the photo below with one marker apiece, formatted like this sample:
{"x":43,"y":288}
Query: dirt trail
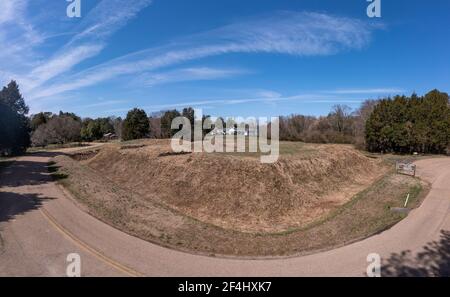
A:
{"x":40,"y":226}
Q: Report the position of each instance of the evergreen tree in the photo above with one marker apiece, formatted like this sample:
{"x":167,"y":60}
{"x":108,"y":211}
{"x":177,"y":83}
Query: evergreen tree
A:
{"x":410,"y":124}
{"x":14,"y":124}
{"x":136,"y":125}
{"x":39,"y":119}
{"x":10,"y":96}
{"x":166,"y":123}
{"x":96,"y":129}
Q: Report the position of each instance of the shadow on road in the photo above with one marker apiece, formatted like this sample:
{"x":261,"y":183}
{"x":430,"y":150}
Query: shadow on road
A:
{"x":24,"y":172}
{"x":13,"y":204}
{"x":434,"y":260}
{"x":28,"y":173}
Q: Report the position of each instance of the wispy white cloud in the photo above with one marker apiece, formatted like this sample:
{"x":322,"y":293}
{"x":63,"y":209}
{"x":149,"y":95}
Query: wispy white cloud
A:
{"x":187,"y":74}
{"x":304,"y":98}
{"x":17,"y":33}
{"x":107,"y":17}
{"x":9,"y":9}
{"x":58,"y":64}
{"x":377,"y":91}
{"x":103,"y":103}
{"x":299,"y":34}
{"x":88,"y":41}
{"x":310,"y":98}
{"x":269,"y":94}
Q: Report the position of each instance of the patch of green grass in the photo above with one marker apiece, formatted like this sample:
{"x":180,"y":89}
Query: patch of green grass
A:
{"x":55,"y":171}
{"x":291,"y":148}
{"x":286,"y":148}
{"x":414,"y":195}
{"x":52,"y":147}
{"x":392,"y":158}
{"x":368,"y":196}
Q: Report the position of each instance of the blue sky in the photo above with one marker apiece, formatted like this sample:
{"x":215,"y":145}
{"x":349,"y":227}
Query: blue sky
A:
{"x":231,"y":58}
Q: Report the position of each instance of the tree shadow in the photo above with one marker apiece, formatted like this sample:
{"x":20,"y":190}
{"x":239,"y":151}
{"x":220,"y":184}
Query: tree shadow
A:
{"x":48,"y":154}
{"x":434,"y":260}
{"x":23,"y":172}
{"x":29,"y":173}
{"x":168,"y":154}
{"x":13,"y":204}
{"x":5,"y":164}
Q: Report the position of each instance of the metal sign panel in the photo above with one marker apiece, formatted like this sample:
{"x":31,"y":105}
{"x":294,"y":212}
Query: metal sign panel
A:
{"x":406,"y":168}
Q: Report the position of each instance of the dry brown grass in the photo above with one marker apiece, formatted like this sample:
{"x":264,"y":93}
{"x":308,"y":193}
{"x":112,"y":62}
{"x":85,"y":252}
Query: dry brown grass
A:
{"x":241,"y":193}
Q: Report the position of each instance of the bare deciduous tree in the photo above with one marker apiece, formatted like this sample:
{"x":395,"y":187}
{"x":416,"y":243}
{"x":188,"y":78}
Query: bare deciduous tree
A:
{"x":58,"y":130}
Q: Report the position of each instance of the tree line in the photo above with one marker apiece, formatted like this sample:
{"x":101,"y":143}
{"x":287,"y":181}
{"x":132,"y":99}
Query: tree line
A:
{"x":341,"y":125}
{"x":400,"y":124}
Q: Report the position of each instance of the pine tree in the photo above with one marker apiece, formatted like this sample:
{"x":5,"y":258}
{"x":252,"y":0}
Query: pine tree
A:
{"x":136,"y":125}
{"x":14,"y":124}
{"x":166,"y":123}
{"x":10,"y":96}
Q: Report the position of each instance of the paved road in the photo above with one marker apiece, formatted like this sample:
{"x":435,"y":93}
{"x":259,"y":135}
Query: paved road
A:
{"x":40,"y":226}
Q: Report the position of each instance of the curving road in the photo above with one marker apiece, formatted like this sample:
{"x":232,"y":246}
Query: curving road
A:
{"x":40,"y":226}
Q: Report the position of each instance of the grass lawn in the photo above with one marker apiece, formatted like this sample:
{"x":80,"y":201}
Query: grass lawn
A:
{"x":392,"y":158}
{"x":52,"y":147}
